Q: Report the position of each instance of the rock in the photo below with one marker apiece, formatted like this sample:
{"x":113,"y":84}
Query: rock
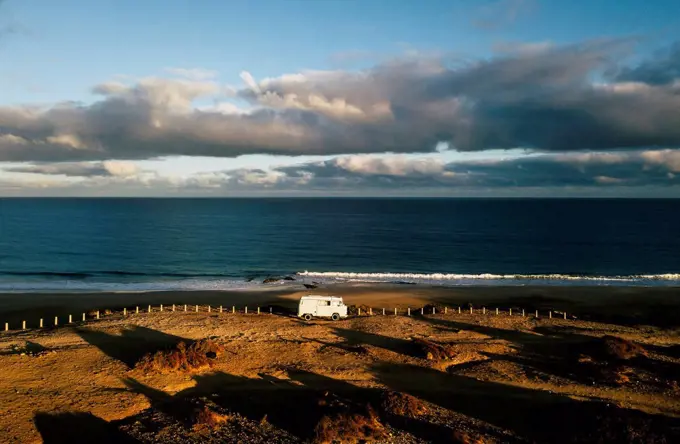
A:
{"x":289,"y":278}
{"x":310,"y":286}
{"x":270,"y":280}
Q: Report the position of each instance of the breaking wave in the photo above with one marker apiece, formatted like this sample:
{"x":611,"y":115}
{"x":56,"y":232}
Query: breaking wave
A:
{"x":491,"y":279}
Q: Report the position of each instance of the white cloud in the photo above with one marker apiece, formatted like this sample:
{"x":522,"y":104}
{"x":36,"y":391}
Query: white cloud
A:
{"x":669,"y":159}
{"x":390,"y":166}
{"x":193,"y":73}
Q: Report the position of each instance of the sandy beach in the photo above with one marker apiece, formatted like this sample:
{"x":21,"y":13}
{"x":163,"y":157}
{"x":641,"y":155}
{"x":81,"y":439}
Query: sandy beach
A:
{"x":657,"y":305}
{"x":276,"y":378}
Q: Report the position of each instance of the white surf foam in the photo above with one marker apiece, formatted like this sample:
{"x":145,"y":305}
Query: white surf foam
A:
{"x":457,"y":277}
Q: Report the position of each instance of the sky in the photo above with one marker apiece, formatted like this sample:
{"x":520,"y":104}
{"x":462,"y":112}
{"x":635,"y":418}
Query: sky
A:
{"x":340,"y":98}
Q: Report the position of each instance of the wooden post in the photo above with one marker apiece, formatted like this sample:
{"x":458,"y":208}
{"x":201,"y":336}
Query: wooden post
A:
{"x":536,"y":314}
{"x":258,"y":310}
{"x":196,"y":308}
{"x":149,"y":308}
{"x":124,"y":311}
{"x":6,"y":326}
{"x":246,"y":312}
{"x":70,"y":319}
{"x":550,"y":314}
{"x":496,"y":311}
{"x":383,"y":312}
{"x":97,"y":314}
{"x":395,"y":311}
{"x":137,"y":310}
{"x":370,"y":311}
{"x":185,"y":307}
{"x":446,"y":310}
{"x":565,"y":315}
{"x":56,"y":321}
{"x":459,"y":310}
{"x":270,"y":310}
{"x":83,"y":317}
{"x":483,"y":310}
{"x":41,"y":323}
{"x":233,"y":309}
{"x":470,"y":309}
{"x":220,"y":309}
{"x":359,"y":311}
{"x":522,"y":312}
{"x":511,"y":312}
{"x":409,"y":311}
{"x":434,"y":310}
{"x":23,"y":325}
{"x":173,"y":307}
{"x":422,"y":311}
{"x":209,"y":309}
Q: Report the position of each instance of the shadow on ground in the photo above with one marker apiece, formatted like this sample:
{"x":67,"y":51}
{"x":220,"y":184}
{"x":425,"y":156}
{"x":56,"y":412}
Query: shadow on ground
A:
{"x":131,"y":345}
{"x":531,"y":414}
{"x":78,"y":428}
{"x":357,"y":338}
{"x":298,"y":402}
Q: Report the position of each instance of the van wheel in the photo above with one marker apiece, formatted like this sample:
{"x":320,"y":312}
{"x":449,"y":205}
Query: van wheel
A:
{"x":307,"y":317}
{"x":335,"y":316}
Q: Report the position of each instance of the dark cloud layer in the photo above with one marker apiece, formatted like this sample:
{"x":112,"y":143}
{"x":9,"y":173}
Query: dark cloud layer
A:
{"x":80,"y":169}
{"x":544,"y":100}
{"x":659,"y":168}
{"x":662,"y":70}
{"x":656,"y":171}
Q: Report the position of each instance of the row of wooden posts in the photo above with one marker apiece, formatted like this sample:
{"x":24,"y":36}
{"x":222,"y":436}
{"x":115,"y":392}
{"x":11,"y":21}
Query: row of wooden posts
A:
{"x":220,"y":309}
{"x":460,"y":311}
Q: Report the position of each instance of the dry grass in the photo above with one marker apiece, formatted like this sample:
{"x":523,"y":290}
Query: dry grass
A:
{"x":353,"y":310}
{"x":603,"y":359}
{"x":195,"y":356}
{"x":466,"y":438}
{"x":622,"y":349}
{"x":349,"y":428}
{"x":433,"y":351}
{"x":427,"y":309}
{"x":206,"y":419}
{"x":29,"y":348}
{"x":401,"y":404}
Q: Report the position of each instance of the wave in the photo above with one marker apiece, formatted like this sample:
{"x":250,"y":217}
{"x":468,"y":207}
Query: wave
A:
{"x":444,"y":277}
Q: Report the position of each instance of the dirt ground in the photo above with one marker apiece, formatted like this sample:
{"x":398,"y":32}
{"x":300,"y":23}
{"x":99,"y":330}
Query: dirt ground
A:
{"x":508,"y":379}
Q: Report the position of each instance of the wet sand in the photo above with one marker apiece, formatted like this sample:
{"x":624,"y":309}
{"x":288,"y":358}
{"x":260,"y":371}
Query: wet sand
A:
{"x":643,"y":305}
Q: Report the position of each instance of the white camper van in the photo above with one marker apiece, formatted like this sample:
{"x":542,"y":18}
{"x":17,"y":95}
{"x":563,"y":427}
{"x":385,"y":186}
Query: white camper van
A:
{"x":322,"y":306}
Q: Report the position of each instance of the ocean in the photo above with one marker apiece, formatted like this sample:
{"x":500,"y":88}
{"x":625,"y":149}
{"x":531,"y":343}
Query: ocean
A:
{"x":206,"y":244}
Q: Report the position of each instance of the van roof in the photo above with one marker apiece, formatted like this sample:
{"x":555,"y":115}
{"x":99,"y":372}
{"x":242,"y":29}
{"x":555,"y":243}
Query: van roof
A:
{"x":316,"y":296}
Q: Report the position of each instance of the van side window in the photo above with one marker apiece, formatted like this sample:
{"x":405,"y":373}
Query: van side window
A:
{"x":325,"y":303}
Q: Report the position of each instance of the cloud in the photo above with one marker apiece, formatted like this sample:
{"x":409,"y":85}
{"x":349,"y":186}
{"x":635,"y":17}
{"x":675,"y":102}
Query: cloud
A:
{"x":648,"y":173}
{"x":664,"y":69}
{"x":501,"y":13}
{"x":367,"y":172}
{"x":193,"y":73}
{"x":522,"y":49}
{"x":81,"y":169}
{"x":542,"y":100}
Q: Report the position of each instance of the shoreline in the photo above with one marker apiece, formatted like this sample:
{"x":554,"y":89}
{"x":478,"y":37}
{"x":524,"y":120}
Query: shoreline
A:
{"x":653,"y":305}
